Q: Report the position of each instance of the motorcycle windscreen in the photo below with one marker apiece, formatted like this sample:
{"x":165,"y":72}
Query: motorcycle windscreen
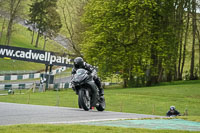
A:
{"x":81,"y":71}
{"x":80,"y":75}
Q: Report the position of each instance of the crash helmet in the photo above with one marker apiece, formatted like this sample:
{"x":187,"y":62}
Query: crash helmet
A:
{"x":172,"y":108}
{"x":78,"y":62}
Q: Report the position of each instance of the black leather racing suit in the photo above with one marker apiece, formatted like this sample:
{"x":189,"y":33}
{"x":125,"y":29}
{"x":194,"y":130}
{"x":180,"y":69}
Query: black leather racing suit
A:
{"x":174,"y":113}
{"x":92,"y":70}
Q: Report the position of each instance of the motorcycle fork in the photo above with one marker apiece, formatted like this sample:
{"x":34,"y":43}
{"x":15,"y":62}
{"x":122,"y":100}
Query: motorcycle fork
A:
{"x":87,"y":94}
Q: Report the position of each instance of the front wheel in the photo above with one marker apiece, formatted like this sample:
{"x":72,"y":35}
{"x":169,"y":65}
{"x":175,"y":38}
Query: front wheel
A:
{"x":102,"y":104}
{"x":84,"y":99}
{"x":79,"y":103}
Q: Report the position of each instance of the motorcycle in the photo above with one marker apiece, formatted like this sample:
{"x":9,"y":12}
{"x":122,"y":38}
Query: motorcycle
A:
{"x":88,"y":93}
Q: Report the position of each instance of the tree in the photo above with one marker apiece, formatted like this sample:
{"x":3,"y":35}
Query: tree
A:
{"x":15,"y":7}
{"x":36,"y":18}
{"x":53,"y":22}
{"x":180,"y":17}
{"x":198,"y":35}
{"x":141,"y":38}
{"x":117,"y":34}
{"x":71,"y":12}
{"x":45,"y":18}
{"x":3,"y":24}
{"x":2,"y":29}
{"x":186,"y":38}
{"x":194,"y":28}
{"x":144,"y":41}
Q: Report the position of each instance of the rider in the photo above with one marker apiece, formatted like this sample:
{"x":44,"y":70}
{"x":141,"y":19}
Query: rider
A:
{"x":172,"y":112}
{"x":79,"y":63}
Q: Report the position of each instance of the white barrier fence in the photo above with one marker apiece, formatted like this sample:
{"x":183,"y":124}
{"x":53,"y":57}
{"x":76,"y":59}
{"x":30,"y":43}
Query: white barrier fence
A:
{"x":29,"y":76}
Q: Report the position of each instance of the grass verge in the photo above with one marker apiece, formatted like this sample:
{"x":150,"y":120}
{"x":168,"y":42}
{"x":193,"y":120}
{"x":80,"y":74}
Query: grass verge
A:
{"x":78,"y":129}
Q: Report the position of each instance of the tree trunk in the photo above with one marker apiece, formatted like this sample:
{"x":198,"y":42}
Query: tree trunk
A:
{"x":125,"y":81}
{"x":1,"y":35}
{"x":9,"y":32}
{"x":160,"y":71}
{"x":13,"y":9}
{"x":180,"y":12}
{"x":198,"y":36}
{"x":125,"y":78}
{"x":186,"y":37}
{"x":45,"y":41}
{"x":180,"y":57}
{"x":131,"y":81}
{"x":33,"y":34}
{"x":169,"y":77}
{"x":199,"y":58}
{"x":37,"y":40}
{"x":148,"y":77}
{"x":154,"y":68}
{"x":175,"y":72}
{"x":193,"y":41}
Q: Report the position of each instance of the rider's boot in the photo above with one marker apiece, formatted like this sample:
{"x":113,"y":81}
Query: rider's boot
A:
{"x":98,"y":83}
{"x":101,"y":92}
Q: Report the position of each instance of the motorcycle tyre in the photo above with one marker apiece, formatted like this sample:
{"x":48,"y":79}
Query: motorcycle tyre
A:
{"x":79,"y":104}
{"x":102,"y":105}
{"x":82,"y":96}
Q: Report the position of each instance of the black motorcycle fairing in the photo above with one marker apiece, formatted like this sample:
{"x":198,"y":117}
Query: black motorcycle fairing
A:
{"x":80,"y":77}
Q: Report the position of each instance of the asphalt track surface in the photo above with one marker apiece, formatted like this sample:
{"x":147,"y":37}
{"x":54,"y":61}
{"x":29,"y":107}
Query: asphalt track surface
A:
{"x":11,"y":114}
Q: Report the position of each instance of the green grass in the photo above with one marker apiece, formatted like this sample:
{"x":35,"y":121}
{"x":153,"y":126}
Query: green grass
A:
{"x":15,"y":65}
{"x":78,"y":129}
{"x":190,"y":118}
{"x":146,"y":100}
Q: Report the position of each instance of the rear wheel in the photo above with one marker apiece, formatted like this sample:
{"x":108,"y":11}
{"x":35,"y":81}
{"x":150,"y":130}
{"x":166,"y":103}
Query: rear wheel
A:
{"x":102,"y":104}
{"x":84,"y":99}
